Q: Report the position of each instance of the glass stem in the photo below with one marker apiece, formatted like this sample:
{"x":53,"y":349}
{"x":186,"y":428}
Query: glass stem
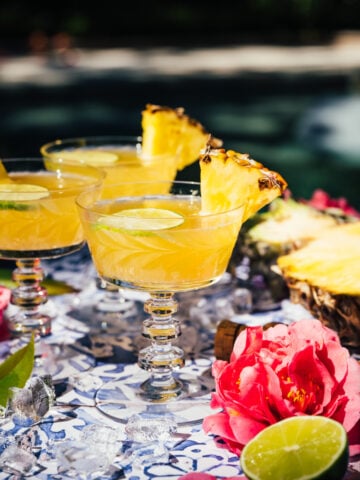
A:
{"x":161,"y":357}
{"x":29,"y":295}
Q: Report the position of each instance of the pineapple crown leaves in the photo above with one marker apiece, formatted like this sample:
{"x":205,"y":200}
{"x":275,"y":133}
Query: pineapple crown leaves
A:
{"x":16,"y":369}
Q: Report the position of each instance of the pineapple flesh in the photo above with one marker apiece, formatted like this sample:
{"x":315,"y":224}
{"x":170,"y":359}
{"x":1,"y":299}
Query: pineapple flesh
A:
{"x":230,"y":179}
{"x":331,"y":261}
{"x":324,"y":277}
{"x":171,"y":131}
{"x":285,"y":226}
{"x":289,"y":224}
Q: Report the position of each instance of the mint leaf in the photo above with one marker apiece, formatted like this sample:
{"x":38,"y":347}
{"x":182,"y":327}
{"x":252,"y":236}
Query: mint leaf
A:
{"x":16,"y":370}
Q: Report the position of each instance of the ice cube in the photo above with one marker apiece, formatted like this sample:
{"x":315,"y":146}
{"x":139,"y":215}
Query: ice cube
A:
{"x":77,"y":457}
{"x":102,"y":438}
{"x":34,"y":400}
{"x":142,"y":455}
{"x":92,"y":454}
{"x":17,"y":461}
{"x":145,"y":428}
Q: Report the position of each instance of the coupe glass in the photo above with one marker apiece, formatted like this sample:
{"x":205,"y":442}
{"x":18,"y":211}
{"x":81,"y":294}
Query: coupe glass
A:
{"x":37,"y":226}
{"x":121,"y":159}
{"x":153,"y":237}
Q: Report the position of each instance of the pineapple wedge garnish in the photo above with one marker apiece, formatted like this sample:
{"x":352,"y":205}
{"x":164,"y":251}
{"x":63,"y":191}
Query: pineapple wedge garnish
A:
{"x":171,"y":131}
{"x":230,"y":179}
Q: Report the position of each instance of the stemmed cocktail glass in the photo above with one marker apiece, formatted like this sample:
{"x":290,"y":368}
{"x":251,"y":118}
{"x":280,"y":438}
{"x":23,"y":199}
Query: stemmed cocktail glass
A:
{"x":39,"y":220}
{"x":121,"y":159}
{"x":152,"y":236}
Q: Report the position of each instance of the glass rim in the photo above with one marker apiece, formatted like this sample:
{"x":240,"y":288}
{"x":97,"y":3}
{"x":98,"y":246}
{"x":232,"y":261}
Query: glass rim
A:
{"x":87,"y":191}
{"x":101,"y":141}
{"x":86,"y":171}
{"x":88,"y":138}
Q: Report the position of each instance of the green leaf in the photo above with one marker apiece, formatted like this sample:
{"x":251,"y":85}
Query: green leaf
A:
{"x":53,"y":287}
{"x":16,"y":370}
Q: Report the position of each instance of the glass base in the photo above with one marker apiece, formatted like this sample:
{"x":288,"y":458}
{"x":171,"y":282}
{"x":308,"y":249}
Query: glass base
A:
{"x":111,"y":299}
{"x":83,"y":312}
{"x":61,"y":361}
{"x":23,"y":323}
{"x":123,"y":397}
{"x":85,"y":318}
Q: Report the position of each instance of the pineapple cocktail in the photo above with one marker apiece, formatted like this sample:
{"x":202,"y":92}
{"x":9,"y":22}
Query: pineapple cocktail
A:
{"x":158,"y":241}
{"x":170,"y":141}
{"x":38,"y":220}
{"x":161,"y":243}
{"x":121,"y":158}
{"x":170,"y":242}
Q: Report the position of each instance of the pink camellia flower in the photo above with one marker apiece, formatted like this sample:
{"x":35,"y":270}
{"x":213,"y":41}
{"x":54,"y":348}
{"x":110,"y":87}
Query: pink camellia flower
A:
{"x":206,"y":476}
{"x":300,"y":369}
{"x":322,"y":201}
{"x":4,"y":302}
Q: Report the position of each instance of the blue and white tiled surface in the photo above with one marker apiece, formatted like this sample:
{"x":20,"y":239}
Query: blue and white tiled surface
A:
{"x":80,"y":359}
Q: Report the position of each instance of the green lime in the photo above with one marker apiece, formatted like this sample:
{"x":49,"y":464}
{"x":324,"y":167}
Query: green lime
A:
{"x":142,"y":219}
{"x":20,"y":207}
{"x":297,"y":448}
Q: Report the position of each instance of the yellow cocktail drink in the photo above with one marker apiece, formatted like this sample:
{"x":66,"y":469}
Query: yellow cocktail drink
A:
{"x":161,"y":243}
{"x":169,"y":238}
{"x":120,"y":158}
{"x":39,"y":219}
{"x":46,"y":220}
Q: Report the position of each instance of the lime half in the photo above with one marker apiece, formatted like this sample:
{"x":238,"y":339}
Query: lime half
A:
{"x":297,"y":448}
{"x":142,"y":219}
{"x":15,"y":192}
{"x":90,"y":157}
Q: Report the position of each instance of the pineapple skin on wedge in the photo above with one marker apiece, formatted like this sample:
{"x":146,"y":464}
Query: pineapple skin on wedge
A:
{"x":170,"y":131}
{"x":230,"y":179}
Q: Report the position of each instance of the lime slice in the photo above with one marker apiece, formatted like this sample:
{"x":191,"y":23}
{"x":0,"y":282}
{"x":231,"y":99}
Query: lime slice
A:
{"x":15,"y":192}
{"x":95,"y":158}
{"x":297,"y":448}
{"x":142,"y":219}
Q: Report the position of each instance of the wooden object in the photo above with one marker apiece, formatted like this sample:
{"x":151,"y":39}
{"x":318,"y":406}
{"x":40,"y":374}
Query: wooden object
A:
{"x":225,"y":337}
